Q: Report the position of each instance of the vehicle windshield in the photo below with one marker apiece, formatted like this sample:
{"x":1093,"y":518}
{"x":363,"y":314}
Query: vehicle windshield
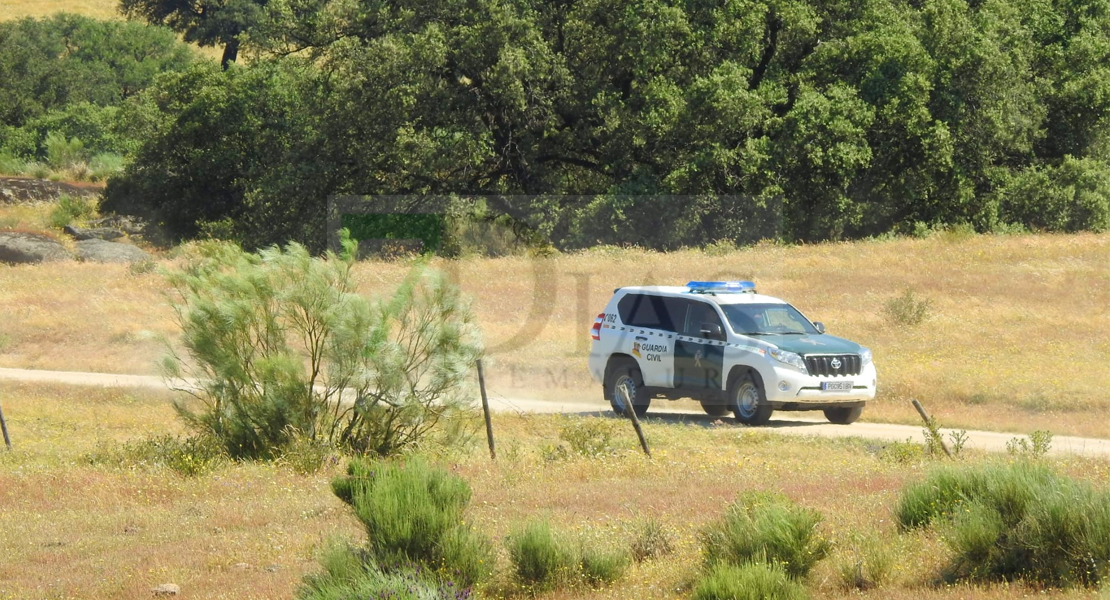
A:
{"x":767,"y":319}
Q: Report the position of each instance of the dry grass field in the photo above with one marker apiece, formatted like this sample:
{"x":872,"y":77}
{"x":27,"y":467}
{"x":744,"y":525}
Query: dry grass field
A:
{"x":74,"y":528}
{"x":1015,"y":337}
{"x":17,"y":9}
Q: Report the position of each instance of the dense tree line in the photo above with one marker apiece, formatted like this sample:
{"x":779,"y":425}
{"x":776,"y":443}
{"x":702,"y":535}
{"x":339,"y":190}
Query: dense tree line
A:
{"x":72,"y":84}
{"x":723,"y":119}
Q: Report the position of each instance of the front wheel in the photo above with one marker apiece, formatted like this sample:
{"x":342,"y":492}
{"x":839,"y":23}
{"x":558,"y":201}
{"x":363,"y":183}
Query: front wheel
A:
{"x":628,"y":378}
{"x":843,"y":416}
{"x":749,"y":402}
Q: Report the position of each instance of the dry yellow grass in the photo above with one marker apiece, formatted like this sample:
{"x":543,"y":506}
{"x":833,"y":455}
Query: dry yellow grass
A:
{"x":17,"y":9}
{"x":70,"y":529}
{"x":1016,"y":339}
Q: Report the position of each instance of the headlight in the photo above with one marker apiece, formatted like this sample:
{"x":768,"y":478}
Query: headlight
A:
{"x":865,"y":355}
{"x":787,"y":357}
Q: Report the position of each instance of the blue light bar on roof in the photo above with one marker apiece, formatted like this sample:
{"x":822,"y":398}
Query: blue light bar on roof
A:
{"x":718,"y":287}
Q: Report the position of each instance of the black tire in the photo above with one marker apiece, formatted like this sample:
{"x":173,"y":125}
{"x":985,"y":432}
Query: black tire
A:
{"x":715,"y":408}
{"x":627,"y":374}
{"x":748,"y":401}
{"x":843,"y":416}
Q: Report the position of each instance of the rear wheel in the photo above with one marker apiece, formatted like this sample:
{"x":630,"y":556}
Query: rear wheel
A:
{"x":714,"y":408}
{"x":843,"y":416}
{"x":749,"y":402}
{"x":626,"y":376}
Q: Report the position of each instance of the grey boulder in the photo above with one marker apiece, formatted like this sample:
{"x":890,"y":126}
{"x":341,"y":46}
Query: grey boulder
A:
{"x":92,"y":233}
{"x":29,"y":248}
{"x":101,"y":251}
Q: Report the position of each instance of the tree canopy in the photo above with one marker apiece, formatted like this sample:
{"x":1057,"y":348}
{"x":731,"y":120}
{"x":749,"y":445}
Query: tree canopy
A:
{"x":724,"y":119}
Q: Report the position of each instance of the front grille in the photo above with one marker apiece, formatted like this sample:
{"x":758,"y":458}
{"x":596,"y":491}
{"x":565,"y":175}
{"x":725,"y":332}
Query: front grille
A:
{"x":822,"y":366}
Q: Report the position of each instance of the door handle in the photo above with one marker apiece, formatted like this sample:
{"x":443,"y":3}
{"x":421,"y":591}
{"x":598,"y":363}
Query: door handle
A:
{"x":641,"y":338}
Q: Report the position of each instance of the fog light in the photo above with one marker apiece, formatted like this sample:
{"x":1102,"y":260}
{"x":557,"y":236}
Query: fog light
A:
{"x":784,"y":386}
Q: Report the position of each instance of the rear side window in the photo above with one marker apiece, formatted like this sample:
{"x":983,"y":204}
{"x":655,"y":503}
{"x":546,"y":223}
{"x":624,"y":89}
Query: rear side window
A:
{"x":645,"y":310}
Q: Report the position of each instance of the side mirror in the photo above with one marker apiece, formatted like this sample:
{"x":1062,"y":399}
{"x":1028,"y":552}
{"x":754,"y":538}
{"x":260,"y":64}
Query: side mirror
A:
{"x":820,"y":326}
{"x":712,"y":331}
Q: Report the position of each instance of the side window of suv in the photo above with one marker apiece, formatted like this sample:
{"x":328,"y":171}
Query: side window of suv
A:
{"x":644,"y":310}
{"x":700,"y":313}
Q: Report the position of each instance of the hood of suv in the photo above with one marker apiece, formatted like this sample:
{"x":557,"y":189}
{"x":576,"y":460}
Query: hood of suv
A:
{"x":813,"y":344}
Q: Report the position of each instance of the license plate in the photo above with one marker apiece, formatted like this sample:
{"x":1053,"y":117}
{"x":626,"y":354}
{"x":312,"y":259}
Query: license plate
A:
{"x":836,"y":386}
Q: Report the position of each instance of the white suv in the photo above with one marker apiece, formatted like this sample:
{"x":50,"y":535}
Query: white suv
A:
{"x":732,"y":349}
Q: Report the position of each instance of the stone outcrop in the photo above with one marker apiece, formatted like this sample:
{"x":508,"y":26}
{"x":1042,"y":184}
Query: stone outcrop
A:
{"x":19,"y":248}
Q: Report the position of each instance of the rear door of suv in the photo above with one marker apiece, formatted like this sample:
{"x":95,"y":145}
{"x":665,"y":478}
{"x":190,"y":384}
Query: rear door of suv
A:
{"x":649,"y":337}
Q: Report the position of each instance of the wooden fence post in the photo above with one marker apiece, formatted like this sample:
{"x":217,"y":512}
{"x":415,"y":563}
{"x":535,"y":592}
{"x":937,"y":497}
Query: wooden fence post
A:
{"x":4,"y":427}
{"x":930,"y":424}
{"x":485,"y":410}
{"x":631,"y":412}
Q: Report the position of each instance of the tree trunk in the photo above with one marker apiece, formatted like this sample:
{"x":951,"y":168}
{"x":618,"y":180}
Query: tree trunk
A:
{"x":231,"y":52}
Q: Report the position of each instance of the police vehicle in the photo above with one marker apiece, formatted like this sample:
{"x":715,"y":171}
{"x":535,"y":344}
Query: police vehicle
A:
{"x":729,"y":347}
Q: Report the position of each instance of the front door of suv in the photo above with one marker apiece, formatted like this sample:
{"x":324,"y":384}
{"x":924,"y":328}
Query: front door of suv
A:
{"x":699,"y":355}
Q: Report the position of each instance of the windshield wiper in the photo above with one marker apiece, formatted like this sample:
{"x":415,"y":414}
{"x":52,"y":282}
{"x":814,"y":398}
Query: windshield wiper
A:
{"x":774,"y":333}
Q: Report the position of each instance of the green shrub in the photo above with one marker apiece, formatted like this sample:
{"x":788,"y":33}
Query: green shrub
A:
{"x":104,"y":165}
{"x":62,"y":153}
{"x":765,"y":527}
{"x":908,"y":309}
{"x":348,"y":574}
{"x":751,"y":581}
{"x":601,"y":565}
{"x":1015,"y":521}
{"x":70,"y":209}
{"x":650,"y":539}
{"x":1038,"y":445}
{"x":274,"y":338}
{"x":189,"y":456}
{"x":539,"y":558}
{"x":413,"y":513}
{"x":589,"y":436}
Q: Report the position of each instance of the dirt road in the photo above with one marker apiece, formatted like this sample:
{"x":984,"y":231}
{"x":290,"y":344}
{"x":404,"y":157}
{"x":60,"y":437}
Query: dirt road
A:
{"x":783,"y":423}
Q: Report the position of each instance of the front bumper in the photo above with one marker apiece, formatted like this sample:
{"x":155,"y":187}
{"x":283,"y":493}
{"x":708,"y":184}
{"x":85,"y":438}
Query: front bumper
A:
{"x":802,"y":388}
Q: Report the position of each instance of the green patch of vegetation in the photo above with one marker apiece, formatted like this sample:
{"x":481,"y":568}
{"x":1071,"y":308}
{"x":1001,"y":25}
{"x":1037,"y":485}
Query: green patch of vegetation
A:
{"x":589,"y":436}
{"x":1035,"y":446}
{"x":750,"y":581}
{"x":413,"y":513}
{"x":71,"y":209}
{"x":908,"y":310}
{"x":1014,"y":521}
{"x":765,"y":527}
{"x":190,"y":456}
{"x":601,"y":566}
{"x":347,"y":574}
{"x":541,"y":559}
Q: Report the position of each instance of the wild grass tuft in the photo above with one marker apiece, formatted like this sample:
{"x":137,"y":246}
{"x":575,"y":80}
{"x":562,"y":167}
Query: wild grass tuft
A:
{"x":602,"y":566}
{"x":751,"y":581}
{"x":907,"y":310}
{"x":768,"y":528}
{"x":1015,"y":521}
{"x":650,"y":540}
{"x":541,"y":559}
